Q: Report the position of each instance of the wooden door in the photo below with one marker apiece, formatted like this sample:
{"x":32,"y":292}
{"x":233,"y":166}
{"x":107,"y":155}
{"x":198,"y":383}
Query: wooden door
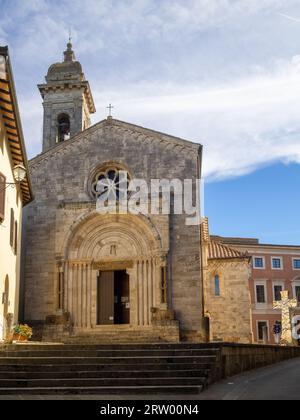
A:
{"x":105,"y":298}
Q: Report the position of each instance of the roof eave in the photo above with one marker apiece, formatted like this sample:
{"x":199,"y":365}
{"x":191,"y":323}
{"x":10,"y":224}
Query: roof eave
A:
{"x":5,"y":51}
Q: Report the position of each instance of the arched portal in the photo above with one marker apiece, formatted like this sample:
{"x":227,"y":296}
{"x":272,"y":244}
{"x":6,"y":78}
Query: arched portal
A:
{"x":114,"y":271}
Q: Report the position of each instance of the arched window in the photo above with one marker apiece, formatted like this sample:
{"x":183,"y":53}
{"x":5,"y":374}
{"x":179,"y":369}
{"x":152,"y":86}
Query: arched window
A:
{"x":63,"y":128}
{"x":217,"y":285}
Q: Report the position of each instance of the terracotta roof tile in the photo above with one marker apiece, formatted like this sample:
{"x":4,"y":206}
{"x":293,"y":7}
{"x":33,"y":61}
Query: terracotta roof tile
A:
{"x":217,"y":250}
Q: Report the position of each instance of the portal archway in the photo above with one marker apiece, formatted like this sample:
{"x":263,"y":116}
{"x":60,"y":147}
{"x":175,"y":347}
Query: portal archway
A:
{"x":106,"y":244}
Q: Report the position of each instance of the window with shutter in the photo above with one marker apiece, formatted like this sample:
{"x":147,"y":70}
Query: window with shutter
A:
{"x":16,"y":238}
{"x":2,"y":197}
{"x":12,"y":226}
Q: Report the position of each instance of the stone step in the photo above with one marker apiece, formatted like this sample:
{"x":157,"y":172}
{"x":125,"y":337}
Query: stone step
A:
{"x":113,"y":338}
{"x":108,"y":360}
{"x":112,"y":347}
{"x":107,"y":353}
{"x":104,"y":367}
{"x":99,"y":382}
{"x":128,"y":390}
{"x":107,"y":369}
{"x":105,"y":374}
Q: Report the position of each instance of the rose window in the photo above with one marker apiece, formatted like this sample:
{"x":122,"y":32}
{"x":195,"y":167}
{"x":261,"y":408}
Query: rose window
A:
{"x":111,"y":183}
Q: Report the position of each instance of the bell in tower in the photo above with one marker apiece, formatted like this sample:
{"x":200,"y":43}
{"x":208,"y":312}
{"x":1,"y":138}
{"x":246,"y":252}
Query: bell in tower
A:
{"x":67,"y":101}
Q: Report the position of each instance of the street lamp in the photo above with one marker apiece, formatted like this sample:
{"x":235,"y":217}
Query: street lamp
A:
{"x":19,"y":173}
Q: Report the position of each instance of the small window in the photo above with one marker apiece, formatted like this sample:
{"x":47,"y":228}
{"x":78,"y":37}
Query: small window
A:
{"x":16,"y":238}
{"x":297,"y":264}
{"x":217,"y":286}
{"x":276,"y":263}
{"x":277,"y":292}
{"x":2,"y":197}
{"x":263,"y":332}
{"x":260,"y":293}
{"x":63,"y":128}
{"x":259,"y":262}
{"x":12,"y":227}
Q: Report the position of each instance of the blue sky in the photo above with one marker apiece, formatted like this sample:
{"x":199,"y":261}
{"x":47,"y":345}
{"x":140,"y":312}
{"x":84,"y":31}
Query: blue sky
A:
{"x":225,"y":73}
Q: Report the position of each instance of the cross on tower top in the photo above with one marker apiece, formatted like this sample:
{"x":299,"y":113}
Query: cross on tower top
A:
{"x":110,"y":108}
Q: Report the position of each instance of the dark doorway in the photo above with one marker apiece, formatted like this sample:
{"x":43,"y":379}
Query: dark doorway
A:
{"x":113,"y":298}
{"x":122,"y":304}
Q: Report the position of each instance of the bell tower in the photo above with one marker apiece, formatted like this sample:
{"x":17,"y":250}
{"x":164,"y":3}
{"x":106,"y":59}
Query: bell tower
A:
{"x":67,"y":100}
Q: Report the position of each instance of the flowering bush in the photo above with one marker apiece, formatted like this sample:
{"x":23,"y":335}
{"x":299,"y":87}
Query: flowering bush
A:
{"x":23,"y":330}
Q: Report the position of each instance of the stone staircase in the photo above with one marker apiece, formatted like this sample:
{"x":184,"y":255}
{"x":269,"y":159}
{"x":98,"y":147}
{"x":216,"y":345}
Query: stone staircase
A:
{"x":107,"y":369}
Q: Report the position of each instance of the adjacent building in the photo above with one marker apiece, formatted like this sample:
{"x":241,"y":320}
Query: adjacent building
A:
{"x":275,"y":268}
{"x":15,"y":193}
{"x":226,"y":275}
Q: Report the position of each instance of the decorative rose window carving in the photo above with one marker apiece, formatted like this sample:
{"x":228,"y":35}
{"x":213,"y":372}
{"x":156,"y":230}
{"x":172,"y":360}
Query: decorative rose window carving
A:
{"x":110,"y":181}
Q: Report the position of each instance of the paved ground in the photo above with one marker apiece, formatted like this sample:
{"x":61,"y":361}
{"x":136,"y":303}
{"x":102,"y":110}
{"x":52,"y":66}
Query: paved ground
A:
{"x":277,"y":382}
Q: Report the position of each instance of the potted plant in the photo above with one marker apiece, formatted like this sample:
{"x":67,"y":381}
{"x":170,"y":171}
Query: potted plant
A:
{"x":22,"y":332}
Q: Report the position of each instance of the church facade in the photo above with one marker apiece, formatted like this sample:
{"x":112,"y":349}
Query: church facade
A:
{"x":115,"y":277}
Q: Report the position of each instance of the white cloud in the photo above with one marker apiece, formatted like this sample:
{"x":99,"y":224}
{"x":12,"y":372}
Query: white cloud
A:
{"x":289,"y":17}
{"x":206,"y":70}
{"x":242,"y":126}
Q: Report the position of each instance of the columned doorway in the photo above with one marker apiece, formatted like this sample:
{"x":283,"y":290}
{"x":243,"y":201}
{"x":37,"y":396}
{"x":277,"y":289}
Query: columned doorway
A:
{"x":114,"y":273}
{"x":113,"y":298}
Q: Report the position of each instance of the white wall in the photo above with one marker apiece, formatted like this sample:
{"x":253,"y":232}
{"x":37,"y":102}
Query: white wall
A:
{"x":9,"y":262}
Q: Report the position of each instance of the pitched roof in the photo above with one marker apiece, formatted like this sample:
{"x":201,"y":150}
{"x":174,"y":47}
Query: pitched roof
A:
{"x":112,"y":122}
{"x":218,"y":251}
{"x":11,"y":117}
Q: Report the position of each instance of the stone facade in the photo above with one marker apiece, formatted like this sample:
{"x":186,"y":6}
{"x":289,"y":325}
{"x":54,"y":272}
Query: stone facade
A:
{"x":68,"y":243}
{"x":227,"y":302}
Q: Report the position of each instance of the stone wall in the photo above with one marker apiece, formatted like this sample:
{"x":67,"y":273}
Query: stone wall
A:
{"x":235,"y":359}
{"x":229,"y":314}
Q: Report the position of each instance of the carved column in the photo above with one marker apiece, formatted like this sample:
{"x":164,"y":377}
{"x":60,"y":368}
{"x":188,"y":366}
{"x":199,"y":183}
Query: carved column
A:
{"x":71,"y":276}
{"x":146,"y":293}
{"x":79,"y":292}
{"x":93,"y":285}
{"x":133,"y":290}
{"x":83,"y":295}
{"x":144,"y":285}
{"x":66,"y":284}
{"x":75,"y":293}
{"x":89,"y":295}
{"x":140,"y":281}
